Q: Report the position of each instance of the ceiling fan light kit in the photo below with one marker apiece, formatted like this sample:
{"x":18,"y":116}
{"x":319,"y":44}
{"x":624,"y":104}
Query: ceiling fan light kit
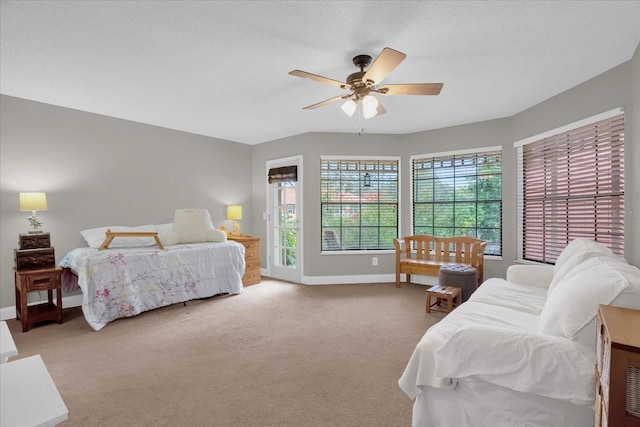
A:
{"x":369,"y":106}
{"x":362,"y":84}
{"x":349,"y":107}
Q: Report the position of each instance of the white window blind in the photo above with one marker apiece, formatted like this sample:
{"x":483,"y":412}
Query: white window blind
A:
{"x":459,"y":194}
{"x":359,"y":203}
{"x":571,"y":185}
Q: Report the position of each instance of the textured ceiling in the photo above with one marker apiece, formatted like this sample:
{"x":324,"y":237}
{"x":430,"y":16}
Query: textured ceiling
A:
{"x":220,"y":68}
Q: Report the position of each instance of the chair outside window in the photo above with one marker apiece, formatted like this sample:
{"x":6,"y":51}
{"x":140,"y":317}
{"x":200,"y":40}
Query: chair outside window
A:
{"x":331,"y":241}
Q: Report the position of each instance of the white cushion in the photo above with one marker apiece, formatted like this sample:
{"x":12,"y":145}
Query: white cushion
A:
{"x":519,"y":360}
{"x":574,"y":303}
{"x":216,"y":235}
{"x":96,"y":236}
{"x":573,"y":254}
{"x":168,"y":238}
{"x":195,"y":226}
{"x":630,"y":297}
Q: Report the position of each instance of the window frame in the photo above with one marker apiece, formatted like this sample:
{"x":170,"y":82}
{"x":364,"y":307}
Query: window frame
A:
{"x":451,"y":155}
{"x":568,"y":133}
{"x":396,"y":206}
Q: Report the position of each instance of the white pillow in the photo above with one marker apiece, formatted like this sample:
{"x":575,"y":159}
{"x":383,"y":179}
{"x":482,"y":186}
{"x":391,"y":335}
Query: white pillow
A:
{"x":571,"y":309}
{"x":216,"y":235}
{"x":573,"y":254}
{"x":195,"y":226}
{"x":630,"y":297}
{"x":96,"y":236}
{"x":519,"y":360}
{"x":168,"y":238}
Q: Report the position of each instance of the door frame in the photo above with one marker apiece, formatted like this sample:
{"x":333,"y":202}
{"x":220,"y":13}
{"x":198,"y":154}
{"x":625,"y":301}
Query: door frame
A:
{"x":275,"y":163}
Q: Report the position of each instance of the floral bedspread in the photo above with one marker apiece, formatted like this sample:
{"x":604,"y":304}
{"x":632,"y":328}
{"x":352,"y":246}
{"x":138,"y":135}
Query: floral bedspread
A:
{"x":124,"y":282}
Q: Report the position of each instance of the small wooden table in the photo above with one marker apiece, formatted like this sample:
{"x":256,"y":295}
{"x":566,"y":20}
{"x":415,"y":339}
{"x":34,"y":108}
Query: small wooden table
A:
{"x":44,"y":279}
{"x":113,"y":234}
{"x":449,"y":293}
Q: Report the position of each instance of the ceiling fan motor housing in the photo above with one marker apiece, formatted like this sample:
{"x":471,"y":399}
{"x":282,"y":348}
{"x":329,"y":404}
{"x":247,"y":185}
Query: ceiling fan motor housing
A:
{"x":362,"y":61}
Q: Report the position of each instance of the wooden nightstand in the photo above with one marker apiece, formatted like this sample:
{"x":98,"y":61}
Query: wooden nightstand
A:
{"x":251,"y":258}
{"x":47,"y":279}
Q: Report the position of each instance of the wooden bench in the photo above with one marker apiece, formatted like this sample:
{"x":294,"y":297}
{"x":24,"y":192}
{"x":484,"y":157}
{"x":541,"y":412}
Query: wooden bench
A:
{"x":424,"y":255}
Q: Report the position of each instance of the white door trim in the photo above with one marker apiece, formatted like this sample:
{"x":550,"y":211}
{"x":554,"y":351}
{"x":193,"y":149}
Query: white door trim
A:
{"x":286,"y":161}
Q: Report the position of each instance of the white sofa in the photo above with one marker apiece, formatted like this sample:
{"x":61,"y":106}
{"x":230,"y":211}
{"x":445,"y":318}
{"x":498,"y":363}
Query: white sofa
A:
{"x":521,"y":351}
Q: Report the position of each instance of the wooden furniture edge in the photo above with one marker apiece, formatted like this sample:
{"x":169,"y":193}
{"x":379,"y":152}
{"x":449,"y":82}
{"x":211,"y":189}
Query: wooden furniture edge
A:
{"x":430,"y":267}
{"x":113,"y":234}
{"x":448,"y":293}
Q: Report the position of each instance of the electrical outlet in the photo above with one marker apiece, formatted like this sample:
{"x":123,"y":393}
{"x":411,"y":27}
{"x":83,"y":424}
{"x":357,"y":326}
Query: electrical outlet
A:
{"x":374,"y":260}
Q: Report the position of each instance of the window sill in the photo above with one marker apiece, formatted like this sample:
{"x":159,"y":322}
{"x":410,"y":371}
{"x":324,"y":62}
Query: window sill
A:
{"x":360,"y":252}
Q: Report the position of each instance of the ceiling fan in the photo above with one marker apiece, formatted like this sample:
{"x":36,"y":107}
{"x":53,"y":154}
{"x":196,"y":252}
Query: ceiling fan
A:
{"x":362,"y":84}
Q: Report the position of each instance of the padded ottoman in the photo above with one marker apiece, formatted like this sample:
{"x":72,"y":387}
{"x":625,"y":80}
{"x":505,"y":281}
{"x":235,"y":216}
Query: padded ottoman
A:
{"x":461,"y":276}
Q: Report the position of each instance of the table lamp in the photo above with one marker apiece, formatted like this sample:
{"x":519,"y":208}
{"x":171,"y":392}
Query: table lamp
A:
{"x":234,"y":212}
{"x":33,"y":202}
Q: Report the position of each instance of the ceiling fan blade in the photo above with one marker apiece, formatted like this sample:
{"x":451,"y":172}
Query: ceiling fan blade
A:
{"x":320,"y":79}
{"x":383,"y":65}
{"x":411,"y":89}
{"x":327,"y":101}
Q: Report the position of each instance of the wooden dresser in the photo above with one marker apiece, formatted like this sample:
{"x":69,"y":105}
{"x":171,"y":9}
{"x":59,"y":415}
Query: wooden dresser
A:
{"x":617,"y":400}
{"x":251,"y":258}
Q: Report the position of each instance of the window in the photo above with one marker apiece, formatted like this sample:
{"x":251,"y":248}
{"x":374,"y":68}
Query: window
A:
{"x":459,"y":194}
{"x":570,"y":185}
{"x":359,"y":203}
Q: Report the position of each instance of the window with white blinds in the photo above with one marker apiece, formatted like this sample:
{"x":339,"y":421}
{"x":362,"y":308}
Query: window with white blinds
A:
{"x":571,"y":185}
{"x":359,"y":203}
{"x":459,"y":194}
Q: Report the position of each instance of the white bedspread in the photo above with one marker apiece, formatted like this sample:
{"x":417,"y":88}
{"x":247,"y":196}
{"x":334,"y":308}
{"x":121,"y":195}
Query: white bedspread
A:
{"x":124,"y":282}
{"x":492,"y":304}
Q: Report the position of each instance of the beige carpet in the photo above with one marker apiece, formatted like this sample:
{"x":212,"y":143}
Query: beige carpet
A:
{"x":280,"y":354}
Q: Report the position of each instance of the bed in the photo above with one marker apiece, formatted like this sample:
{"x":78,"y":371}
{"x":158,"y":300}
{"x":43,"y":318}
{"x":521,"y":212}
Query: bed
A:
{"x":124,"y":282}
{"x":125,"y":271}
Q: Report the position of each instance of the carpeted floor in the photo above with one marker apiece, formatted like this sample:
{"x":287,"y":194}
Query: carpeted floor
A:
{"x":280,"y":354}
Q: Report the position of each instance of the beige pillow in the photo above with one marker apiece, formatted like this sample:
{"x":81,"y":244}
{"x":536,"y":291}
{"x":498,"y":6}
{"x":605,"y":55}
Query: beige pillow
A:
{"x":195,"y":226}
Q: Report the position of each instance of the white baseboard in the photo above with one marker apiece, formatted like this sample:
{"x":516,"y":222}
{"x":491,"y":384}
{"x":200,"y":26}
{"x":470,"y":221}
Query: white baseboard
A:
{"x":337,"y":280}
{"x":369,"y":278}
{"x":67,"y":302}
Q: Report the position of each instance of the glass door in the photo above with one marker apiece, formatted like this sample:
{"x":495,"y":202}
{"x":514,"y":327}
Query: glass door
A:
{"x":284,"y":222}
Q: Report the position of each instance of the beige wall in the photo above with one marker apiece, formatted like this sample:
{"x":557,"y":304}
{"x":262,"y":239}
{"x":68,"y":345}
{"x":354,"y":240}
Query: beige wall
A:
{"x":101,"y":171}
{"x":618,"y":87}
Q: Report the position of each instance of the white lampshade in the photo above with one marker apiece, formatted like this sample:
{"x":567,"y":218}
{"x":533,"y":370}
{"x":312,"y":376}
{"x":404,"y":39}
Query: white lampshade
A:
{"x":234,"y":212}
{"x":349,"y":107}
{"x":369,"y":106}
{"x":33,"y":202}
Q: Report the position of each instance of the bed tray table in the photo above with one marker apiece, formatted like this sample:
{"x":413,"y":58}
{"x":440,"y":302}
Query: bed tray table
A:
{"x":113,"y":234}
